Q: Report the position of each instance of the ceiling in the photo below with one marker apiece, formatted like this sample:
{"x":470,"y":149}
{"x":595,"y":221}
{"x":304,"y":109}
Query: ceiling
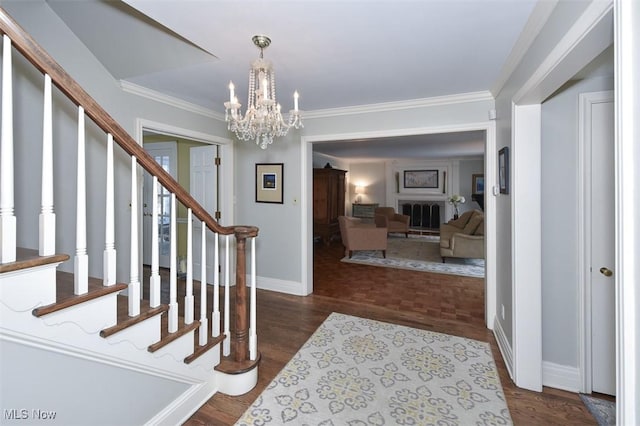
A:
{"x":335,"y":53}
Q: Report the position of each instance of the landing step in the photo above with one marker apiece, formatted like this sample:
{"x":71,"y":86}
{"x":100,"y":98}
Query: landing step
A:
{"x":66,"y":298}
{"x":125,"y":321}
{"x":229,"y":366}
{"x":29,"y":258}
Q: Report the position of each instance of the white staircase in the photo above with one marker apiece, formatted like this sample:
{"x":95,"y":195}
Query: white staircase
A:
{"x":88,"y":350}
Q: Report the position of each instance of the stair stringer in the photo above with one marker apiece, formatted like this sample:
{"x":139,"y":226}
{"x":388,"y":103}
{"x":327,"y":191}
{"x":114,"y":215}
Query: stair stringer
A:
{"x":72,"y":338}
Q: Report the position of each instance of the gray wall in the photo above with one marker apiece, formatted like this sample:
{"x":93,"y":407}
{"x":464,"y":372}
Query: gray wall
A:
{"x":560,"y":285}
{"x":48,"y":30}
{"x":79,"y":391}
{"x":555,"y":28}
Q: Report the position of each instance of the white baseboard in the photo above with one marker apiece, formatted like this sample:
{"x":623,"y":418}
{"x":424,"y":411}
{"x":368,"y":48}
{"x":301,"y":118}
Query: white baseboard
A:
{"x":503,"y":345}
{"x":281,"y":286}
{"x":561,"y":376}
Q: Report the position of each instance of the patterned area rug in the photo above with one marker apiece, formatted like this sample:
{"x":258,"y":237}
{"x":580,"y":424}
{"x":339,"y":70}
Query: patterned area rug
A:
{"x":356,"y":371}
{"x":418,"y":253}
{"x":604,"y":411}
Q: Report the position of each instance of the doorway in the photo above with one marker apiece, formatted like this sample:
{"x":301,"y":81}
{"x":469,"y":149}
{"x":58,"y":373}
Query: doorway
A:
{"x":224,"y":178}
{"x":489,"y":129}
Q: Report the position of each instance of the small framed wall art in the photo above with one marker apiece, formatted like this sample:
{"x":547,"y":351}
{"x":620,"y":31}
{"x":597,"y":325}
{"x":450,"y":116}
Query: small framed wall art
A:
{"x":477,"y":183}
{"x":269,"y":183}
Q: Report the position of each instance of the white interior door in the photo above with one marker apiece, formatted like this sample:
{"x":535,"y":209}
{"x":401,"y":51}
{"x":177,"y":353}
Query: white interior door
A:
{"x":165,"y":154}
{"x":204,"y":189}
{"x":603,"y":371}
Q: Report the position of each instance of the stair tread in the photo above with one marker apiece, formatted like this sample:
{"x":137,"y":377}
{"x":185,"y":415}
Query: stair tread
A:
{"x":66,"y":298}
{"x":29,"y":258}
{"x":200,"y":350}
{"x":124,"y":321}
{"x":166,"y":337}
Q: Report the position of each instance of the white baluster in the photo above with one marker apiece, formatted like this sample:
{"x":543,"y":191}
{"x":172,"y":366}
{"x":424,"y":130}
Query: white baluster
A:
{"x":81,"y":265}
{"x":154,"y":280}
{"x":215,"y":313}
{"x":188,"y":298}
{"x":109,"y":255}
{"x":7,"y":218}
{"x":226,"y":346}
{"x":47,"y":239}
{"x":134,"y":280}
{"x":253,"y":337}
{"x":204,"y":325}
{"x":173,"y":281}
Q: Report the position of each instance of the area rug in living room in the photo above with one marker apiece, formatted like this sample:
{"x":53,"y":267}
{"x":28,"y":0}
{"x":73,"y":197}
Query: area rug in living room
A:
{"x":357,"y":371}
{"x":417,"y":253}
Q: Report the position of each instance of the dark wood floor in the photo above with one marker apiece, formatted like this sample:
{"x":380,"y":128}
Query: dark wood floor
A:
{"x":435,"y":302}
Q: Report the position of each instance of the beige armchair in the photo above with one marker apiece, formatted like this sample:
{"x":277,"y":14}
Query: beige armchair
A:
{"x":386,"y":217}
{"x":463,"y":237}
{"x":357,"y":235}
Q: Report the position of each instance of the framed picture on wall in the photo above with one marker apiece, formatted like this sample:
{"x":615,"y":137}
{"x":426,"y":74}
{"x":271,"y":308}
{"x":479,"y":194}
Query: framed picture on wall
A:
{"x":477,"y":186}
{"x":269,"y":183}
{"x":503,"y":170}
{"x":421,"y":178}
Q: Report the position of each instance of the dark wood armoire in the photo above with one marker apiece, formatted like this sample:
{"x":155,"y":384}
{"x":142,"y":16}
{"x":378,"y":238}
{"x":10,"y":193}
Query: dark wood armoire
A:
{"x":328,"y":202}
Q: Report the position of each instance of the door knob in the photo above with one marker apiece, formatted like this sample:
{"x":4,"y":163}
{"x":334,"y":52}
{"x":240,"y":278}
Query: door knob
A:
{"x":606,"y":271}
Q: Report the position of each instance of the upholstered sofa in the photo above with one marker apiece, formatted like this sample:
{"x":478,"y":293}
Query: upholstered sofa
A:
{"x":463,"y":237}
{"x":357,"y":235}
{"x":386,"y":217}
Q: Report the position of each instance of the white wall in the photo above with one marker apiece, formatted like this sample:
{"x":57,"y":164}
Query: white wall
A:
{"x":560,"y":285}
{"x":371,"y":175}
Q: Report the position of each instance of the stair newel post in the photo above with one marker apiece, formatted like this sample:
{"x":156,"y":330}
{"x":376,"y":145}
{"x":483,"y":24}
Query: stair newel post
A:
{"x":188,"y":298}
{"x":154,"y":280}
{"x":203,"y":335}
{"x":7,"y":217}
{"x":173,"y":271}
{"x":109,"y":256}
{"x":226,"y":344}
{"x":134,"y":280}
{"x":253,"y":337}
{"x":81,"y":265}
{"x":241,"y":332}
{"x":47,"y":235}
{"x":215,"y":313}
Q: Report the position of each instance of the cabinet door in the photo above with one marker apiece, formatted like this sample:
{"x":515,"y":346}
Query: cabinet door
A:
{"x":320,"y":199}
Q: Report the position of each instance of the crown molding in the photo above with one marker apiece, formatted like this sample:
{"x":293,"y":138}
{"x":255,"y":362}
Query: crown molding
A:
{"x":536,"y":21}
{"x":401,"y":105}
{"x":154,"y":95}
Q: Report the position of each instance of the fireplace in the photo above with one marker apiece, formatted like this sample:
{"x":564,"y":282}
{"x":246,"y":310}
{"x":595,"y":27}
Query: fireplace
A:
{"x":425,"y":215}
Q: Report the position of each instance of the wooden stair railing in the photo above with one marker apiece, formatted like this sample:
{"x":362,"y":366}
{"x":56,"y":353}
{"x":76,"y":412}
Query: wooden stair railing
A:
{"x":40,"y":59}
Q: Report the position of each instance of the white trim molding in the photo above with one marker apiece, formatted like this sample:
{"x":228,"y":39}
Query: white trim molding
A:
{"x":503,"y":345}
{"x":401,"y":105}
{"x":563,"y":377}
{"x":627,"y":276}
{"x":163,"y":98}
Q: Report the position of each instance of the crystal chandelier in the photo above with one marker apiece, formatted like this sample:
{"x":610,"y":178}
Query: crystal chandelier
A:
{"x":263,"y":120}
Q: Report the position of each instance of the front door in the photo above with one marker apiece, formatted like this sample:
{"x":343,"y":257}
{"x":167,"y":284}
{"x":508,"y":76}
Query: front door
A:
{"x":165,"y":154}
{"x":203,"y":187}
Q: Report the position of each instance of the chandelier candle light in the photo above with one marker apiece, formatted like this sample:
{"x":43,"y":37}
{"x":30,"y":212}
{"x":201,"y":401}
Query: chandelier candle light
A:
{"x":263,"y":120}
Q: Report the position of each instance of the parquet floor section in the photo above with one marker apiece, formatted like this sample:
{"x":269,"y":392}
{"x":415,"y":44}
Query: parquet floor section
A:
{"x":436,"y":302}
